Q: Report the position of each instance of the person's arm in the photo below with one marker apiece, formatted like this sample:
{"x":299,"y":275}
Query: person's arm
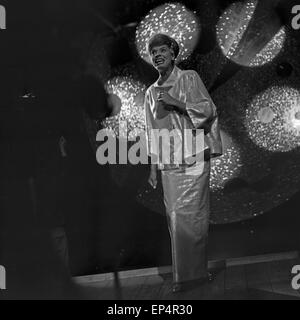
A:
{"x":148,"y":121}
{"x":154,"y":167}
{"x":172,"y":103}
{"x":180,"y":106}
{"x":199,"y":105}
{"x":152,"y":180}
{"x":153,"y":176}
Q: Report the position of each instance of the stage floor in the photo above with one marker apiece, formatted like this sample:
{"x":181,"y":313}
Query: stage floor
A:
{"x":251,"y":281}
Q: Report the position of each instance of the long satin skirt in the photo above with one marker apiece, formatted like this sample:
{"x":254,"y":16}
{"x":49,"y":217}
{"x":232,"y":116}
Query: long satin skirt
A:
{"x":186,"y":197}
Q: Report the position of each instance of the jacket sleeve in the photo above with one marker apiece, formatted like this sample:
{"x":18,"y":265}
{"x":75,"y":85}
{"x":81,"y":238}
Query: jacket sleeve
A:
{"x":149,"y":122}
{"x":199,"y":105}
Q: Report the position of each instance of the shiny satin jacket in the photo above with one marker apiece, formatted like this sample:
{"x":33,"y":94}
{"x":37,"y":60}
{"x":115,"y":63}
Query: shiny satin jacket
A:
{"x":185,"y":86}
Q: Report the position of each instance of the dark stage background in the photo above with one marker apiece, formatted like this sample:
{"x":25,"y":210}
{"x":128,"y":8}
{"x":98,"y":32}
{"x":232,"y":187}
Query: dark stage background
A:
{"x":46,"y":49}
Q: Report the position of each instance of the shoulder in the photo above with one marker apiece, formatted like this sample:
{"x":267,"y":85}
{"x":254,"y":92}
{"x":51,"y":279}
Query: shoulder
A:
{"x":149,"y":94}
{"x":189,"y":78}
{"x":150,"y":89}
{"x":189,"y":74}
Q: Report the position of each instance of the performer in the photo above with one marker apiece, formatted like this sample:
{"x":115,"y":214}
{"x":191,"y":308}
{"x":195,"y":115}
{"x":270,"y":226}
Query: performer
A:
{"x":179,"y":100}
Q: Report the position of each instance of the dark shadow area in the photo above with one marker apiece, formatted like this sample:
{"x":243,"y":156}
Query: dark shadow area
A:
{"x":273,"y":232}
{"x":253,"y":294}
{"x":61,"y":213}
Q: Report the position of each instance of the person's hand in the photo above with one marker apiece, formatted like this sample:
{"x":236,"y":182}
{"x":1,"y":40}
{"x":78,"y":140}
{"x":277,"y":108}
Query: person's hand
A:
{"x":153,"y":179}
{"x":165,"y":98}
{"x":170,"y":103}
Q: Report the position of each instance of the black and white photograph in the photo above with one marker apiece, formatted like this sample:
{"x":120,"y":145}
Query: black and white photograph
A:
{"x":149,"y":152}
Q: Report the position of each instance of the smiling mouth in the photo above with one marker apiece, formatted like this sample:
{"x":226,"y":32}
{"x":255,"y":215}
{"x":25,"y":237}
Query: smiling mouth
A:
{"x":159,"y":62}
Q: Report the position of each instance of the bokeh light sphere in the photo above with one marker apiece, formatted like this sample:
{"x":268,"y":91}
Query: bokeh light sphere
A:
{"x":228,"y":166}
{"x":174,"y":20}
{"x":271,"y":119}
{"x":246,"y":40}
{"x":126,"y":94}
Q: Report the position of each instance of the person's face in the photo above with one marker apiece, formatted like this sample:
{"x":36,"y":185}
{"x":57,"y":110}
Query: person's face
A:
{"x":162,"y":57}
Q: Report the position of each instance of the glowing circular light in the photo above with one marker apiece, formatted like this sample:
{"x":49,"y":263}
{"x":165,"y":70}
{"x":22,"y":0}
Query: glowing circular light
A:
{"x":281,"y":133}
{"x":292,"y":119}
{"x":173,"y":19}
{"x":266,"y":115}
{"x":126,"y":93}
{"x":227,"y":166}
{"x":245,"y":43}
{"x":271,"y":50}
{"x":233,"y":24}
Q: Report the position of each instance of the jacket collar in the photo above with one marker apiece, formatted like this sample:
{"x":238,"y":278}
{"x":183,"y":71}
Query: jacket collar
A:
{"x":172,"y":78}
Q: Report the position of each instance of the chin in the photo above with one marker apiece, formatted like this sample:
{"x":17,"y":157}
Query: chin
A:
{"x":162,"y":67}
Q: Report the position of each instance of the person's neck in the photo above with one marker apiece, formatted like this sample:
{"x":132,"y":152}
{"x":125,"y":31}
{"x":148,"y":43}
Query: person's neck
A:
{"x":165,"y":74}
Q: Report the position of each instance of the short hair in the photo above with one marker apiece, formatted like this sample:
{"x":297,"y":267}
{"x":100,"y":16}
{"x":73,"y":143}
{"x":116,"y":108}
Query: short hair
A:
{"x":163,"y":39}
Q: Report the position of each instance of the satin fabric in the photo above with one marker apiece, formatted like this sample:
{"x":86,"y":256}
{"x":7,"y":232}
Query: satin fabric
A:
{"x":186,"y":197}
{"x":186,"y":187}
{"x":187,"y":87}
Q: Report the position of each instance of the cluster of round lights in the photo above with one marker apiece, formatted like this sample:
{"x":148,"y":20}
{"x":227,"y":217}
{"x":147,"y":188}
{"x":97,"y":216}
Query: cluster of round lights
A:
{"x":242,"y":46}
{"x":174,"y":20}
{"x":228,"y":166}
{"x":273,"y":119}
{"x":126,"y":97}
